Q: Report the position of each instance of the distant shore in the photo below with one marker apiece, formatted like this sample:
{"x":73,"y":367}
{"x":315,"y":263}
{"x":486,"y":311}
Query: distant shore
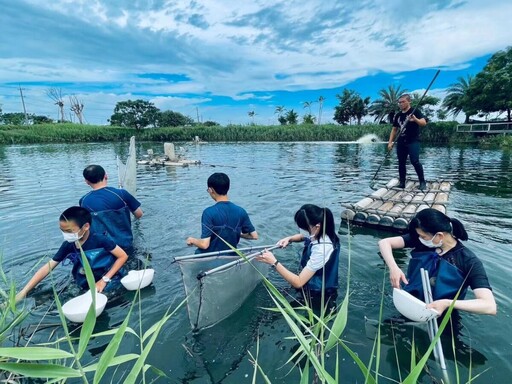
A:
{"x":434,"y":133}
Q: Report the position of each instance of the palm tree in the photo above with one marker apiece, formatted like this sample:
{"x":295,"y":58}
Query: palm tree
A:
{"x":280,"y":109}
{"x":321,"y":100}
{"x":455,"y":100}
{"x":291,"y":117}
{"x":387,"y":105}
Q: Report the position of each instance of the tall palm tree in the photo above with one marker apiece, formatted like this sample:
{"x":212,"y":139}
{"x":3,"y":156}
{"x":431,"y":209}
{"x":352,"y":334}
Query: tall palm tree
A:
{"x":321,"y":100}
{"x":307,"y":104}
{"x":387,"y":105}
{"x":455,"y":101}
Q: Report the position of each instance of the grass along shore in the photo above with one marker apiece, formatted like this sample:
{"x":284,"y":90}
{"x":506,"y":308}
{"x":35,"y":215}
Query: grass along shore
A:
{"x":439,"y":133}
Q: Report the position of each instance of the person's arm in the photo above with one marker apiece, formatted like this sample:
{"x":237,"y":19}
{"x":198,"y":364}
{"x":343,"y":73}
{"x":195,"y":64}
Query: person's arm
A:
{"x":138,"y":213}
{"x":199,"y":243}
{"x":299,"y":237}
{"x":36,"y":279}
{"x":483,"y":303}
{"x":296,"y":281}
{"x":392,"y":136}
{"x":250,"y":236}
{"x":121,"y":258}
{"x":386,"y":247}
{"x":420,"y":121}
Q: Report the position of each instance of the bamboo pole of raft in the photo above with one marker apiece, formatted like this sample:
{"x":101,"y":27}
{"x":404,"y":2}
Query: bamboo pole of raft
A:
{"x":363,"y":203}
{"x":445,"y":186}
{"x":441,"y":198}
{"x":379,"y":193}
{"x":389,"y":219}
{"x":429,"y":197}
{"x":391,"y":183}
{"x":409,"y":209}
{"x":422,"y":207}
{"x":348,"y":214}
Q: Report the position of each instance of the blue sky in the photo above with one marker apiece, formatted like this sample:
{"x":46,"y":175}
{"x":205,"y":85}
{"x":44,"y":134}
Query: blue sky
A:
{"x":221,"y":59}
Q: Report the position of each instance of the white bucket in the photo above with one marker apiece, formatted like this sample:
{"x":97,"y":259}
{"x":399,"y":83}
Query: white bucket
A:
{"x":76,"y":309}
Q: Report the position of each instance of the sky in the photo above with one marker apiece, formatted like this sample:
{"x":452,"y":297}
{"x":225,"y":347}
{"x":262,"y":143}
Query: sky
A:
{"x":220,"y":59}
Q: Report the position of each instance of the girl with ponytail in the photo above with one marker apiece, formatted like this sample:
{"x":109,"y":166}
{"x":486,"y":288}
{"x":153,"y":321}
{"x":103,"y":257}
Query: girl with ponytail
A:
{"x":320,"y":255}
{"x":436,"y":245}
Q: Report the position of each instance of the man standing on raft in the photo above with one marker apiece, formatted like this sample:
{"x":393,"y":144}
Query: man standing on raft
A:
{"x":408,"y":143}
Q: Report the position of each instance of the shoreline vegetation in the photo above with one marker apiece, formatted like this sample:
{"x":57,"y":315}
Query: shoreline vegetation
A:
{"x":434,"y":133}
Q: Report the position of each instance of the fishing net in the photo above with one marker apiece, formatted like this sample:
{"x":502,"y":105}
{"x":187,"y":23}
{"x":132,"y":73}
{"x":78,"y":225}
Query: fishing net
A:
{"x":127,"y":173}
{"x":217,"y":285}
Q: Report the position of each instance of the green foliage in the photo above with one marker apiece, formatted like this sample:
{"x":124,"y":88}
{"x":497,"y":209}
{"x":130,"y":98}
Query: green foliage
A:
{"x":136,"y":114}
{"x":491,"y":90}
{"x":173,"y":119}
{"x":308,"y":119}
{"x":457,"y":99}
{"x":385,"y":108}
{"x":351,"y":106}
{"x":16,"y":118}
{"x":291,"y":117}
{"x":426,"y":104}
{"x":210,"y":123}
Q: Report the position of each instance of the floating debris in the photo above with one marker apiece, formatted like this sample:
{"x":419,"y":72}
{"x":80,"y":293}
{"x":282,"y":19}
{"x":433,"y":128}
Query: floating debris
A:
{"x":169,"y":158}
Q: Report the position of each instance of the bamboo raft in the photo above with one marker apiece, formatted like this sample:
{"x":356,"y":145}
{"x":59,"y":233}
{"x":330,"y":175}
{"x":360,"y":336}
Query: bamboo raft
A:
{"x":392,"y":208}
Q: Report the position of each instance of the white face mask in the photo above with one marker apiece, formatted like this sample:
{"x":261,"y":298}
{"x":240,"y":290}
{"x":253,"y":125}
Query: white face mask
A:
{"x":71,"y":237}
{"x":430,"y":243}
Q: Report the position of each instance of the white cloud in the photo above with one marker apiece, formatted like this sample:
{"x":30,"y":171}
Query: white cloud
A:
{"x":236,"y":51}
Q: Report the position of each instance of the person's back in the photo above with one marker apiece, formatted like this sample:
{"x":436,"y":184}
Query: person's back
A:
{"x":110,"y":207}
{"x":223,"y":222}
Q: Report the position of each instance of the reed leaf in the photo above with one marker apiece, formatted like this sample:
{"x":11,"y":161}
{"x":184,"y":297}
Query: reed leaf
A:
{"x":34,"y":353}
{"x":41,"y":371}
{"x":90,"y":318}
{"x":108,"y":355}
{"x":116,"y":360}
{"x":155,"y":330}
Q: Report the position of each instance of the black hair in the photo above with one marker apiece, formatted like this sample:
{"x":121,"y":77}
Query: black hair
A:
{"x":219,"y":182}
{"x":309,"y":215}
{"x":432,"y":221}
{"x":80,"y":216}
{"x":94,"y":173}
{"x":405,"y":96}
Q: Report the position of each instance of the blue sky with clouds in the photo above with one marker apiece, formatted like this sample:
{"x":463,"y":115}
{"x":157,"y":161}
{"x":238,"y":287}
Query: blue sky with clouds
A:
{"x":221,"y":59}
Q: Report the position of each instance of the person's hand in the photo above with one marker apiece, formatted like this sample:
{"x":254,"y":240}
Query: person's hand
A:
{"x":413,"y":118}
{"x":396,"y":276}
{"x":100,"y":285}
{"x":283,"y":243}
{"x":267,"y":257}
{"x":390,"y":145}
{"x":440,"y":305}
{"x":190,"y":241}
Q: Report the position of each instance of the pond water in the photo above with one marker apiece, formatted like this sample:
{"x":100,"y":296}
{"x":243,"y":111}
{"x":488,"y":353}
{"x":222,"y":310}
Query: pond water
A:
{"x":271,"y":180}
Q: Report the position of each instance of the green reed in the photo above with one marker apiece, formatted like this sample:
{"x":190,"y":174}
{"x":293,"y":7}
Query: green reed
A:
{"x":440,"y":132}
{"x":62,"y":359}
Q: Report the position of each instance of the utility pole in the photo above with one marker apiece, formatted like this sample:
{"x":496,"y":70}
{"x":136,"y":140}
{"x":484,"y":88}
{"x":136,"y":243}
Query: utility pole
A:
{"x":197,"y":112}
{"x":23,"y":102}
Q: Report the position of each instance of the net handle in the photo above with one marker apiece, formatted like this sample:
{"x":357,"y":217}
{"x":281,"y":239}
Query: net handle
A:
{"x":218,"y":253}
{"x":235,"y":262}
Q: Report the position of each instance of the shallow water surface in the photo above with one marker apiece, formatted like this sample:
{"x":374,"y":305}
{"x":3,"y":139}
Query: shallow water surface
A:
{"x":271,"y":180}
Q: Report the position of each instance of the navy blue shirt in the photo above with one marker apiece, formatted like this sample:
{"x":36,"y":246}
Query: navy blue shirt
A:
{"x":108,"y":198}
{"x":461,"y":257}
{"x":227,"y":221}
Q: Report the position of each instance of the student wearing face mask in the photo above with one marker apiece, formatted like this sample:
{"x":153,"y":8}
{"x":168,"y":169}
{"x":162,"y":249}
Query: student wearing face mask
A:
{"x":320,"y":255}
{"x":104,"y":256}
{"x":436,"y":245}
